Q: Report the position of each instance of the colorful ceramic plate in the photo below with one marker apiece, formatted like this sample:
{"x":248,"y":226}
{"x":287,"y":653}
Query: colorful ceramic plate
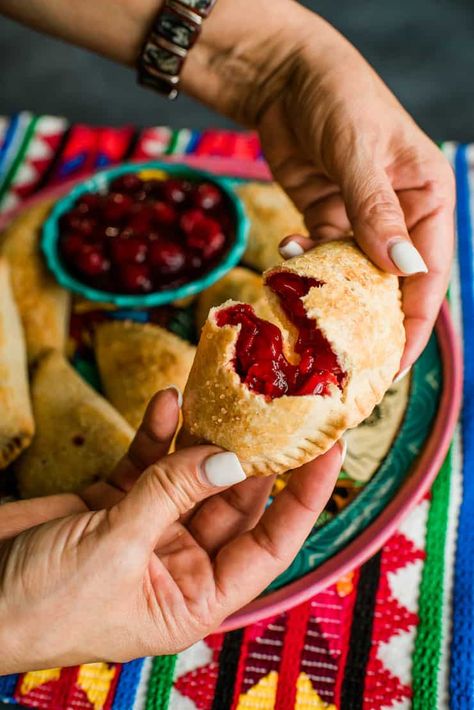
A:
{"x":392,"y":459}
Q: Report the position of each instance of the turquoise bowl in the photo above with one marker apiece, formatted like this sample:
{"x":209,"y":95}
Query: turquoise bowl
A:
{"x":99,"y":183}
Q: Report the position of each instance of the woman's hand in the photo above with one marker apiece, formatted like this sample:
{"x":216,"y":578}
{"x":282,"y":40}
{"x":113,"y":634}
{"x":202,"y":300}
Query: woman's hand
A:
{"x":337,"y":140}
{"x":155,"y":569}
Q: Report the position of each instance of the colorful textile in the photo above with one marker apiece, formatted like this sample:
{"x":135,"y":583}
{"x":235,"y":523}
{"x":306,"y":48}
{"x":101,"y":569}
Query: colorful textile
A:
{"x":396,"y":633}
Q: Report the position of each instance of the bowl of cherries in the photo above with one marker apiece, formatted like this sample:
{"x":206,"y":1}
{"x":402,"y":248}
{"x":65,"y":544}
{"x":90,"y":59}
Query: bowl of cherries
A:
{"x":144,"y":235}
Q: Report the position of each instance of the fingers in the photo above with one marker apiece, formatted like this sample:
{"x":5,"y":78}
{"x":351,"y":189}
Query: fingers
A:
{"x":223,"y":517}
{"x":170,"y":488}
{"x":378,"y":221}
{"x":271,"y":546}
{"x":21,"y":515}
{"x":152,"y":440}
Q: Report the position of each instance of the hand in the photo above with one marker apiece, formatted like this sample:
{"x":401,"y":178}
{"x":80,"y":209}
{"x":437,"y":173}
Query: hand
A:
{"x":155,"y":569}
{"x":338,"y":141}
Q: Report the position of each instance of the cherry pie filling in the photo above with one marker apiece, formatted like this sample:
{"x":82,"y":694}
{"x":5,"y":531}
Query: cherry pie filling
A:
{"x":259,"y":358}
{"x":146,"y":234}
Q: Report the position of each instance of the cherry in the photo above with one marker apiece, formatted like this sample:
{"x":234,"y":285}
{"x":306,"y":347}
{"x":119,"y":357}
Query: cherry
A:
{"x":77,"y":221}
{"x":128,"y":183}
{"x":190,"y":219}
{"x":176,"y":191}
{"x":116,"y":207}
{"x":207,"y":196}
{"x":90,"y":202}
{"x":206,"y":236}
{"x":140,"y":223}
{"x":164,"y":213}
{"x":129,"y":251}
{"x":91,"y":260}
{"x":72,"y":244}
{"x":136,"y":278}
{"x":168,"y":257}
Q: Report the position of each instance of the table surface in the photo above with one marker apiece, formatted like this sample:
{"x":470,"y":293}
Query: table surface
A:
{"x":378,"y":638}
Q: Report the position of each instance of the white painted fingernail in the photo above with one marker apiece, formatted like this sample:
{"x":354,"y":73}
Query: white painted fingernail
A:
{"x":223,"y":470}
{"x":291,"y":249}
{"x":343,"y":446}
{"x":402,"y":374}
{"x":179,"y":394}
{"x":407,"y":258}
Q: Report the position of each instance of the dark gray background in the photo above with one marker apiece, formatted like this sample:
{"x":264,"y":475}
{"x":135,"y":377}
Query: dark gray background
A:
{"x":424,"y":49}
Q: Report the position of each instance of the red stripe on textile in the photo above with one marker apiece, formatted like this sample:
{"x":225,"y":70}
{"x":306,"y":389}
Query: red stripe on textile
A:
{"x":344,"y":638}
{"x":297,"y":621}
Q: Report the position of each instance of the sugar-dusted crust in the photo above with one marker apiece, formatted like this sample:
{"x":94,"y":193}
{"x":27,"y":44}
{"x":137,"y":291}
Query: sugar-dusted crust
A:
{"x":79,"y":435}
{"x":272,"y":216}
{"x":43,"y":304}
{"x":359,"y":311}
{"x":16,"y":417}
{"x":239,"y":284}
{"x":136,"y":360}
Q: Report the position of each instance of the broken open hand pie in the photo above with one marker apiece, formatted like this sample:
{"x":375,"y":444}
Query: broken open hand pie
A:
{"x":279,"y":398}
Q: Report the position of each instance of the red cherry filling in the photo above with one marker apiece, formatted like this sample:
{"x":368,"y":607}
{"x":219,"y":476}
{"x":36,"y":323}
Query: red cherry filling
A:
{"x":174,"y":228}
{"x":260,"y":361}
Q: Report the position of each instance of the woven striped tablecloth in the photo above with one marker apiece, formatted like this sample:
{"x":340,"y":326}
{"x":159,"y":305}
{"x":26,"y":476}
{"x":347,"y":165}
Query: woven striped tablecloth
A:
{"x":396,"y":633}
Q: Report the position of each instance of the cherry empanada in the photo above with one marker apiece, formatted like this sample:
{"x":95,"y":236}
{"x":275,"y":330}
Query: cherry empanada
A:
{"x":16,"y":417}
{"x":272,"y":216}
{"x":79,"y":436}
{"x":136,"y":360}
{"x":281,"y":397}
{"x":42,"y":303}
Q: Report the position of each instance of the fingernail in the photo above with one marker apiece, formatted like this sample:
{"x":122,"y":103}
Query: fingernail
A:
{"x":291,"y":249}
{"x":223,"y":470}
{"x":179,"y":394}
{"x":343,"y":446}
{"x":407,"y":258}
{"x":402,"y":374}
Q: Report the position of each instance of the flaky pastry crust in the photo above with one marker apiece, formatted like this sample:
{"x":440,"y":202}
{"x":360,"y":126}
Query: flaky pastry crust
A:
{"x":79,"y":436}
{"x":16,"y":417}
{"x":272,"y":216}
{"x":136,"y":360}
{"x":42,"y":303}
{"x":358,"y":309}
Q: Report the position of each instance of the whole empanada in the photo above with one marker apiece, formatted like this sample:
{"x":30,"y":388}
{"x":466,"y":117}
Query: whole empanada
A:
{"x":42,"y":303}
{"x":79,"y":436}
{"x":16,"y":417}
{"x":272,"y":216}
{"x":136,"y":360}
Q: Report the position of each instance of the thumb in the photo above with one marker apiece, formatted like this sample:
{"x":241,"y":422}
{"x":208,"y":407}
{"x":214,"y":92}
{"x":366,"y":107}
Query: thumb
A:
{"x":378,"y":222}
{"x":171,"y":487}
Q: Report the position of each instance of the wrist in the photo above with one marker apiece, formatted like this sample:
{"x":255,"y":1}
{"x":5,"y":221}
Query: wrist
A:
{"x":247,"y":53}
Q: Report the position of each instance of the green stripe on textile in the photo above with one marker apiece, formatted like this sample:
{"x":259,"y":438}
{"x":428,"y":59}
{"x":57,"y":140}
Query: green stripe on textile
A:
{"x":171,"y":147}
{"x":160,"y":683}
{"x":427,"y":654}
{"x":10,"y":176}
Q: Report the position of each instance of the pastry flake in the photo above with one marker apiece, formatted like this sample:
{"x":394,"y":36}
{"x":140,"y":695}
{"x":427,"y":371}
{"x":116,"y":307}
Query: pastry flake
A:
{"x":136,"y":360}
{"x":281,"y":397}
{"x":16,"y":417}
{"x":42,"y":303}
{"x":272,"y":216}
{"x":79,"y":436}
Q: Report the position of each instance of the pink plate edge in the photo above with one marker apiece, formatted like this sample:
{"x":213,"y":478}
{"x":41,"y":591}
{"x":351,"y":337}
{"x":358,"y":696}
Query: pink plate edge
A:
{"x":424,"y":472}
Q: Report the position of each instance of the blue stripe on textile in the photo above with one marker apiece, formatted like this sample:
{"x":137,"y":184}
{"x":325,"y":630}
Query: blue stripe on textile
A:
{"x":462,"y":642}
{"x":127,"y":685}
{"x":7,"y":688}
{"x":10,"y":132}
{"x":193,"y":141}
